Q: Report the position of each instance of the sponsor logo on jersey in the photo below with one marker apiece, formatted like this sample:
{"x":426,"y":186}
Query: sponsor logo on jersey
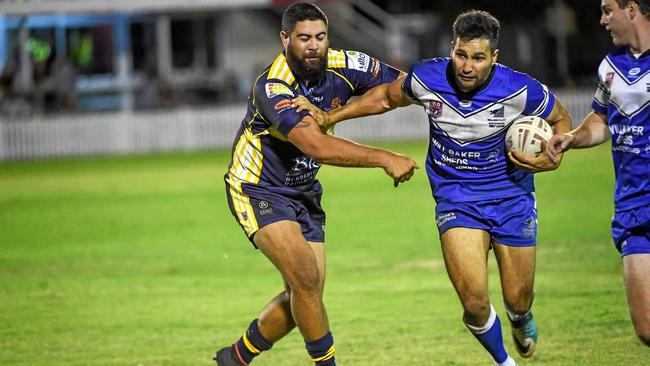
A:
{"x":303,"y":171}
{"x":497,"y":117}
{"x":275,"y":89}
{"x":634,"y":72}
{"x":625,"y":140}
{"x":284,"y":103}
{"x":498,"y":112}
{"x":435,"y":108}
{"x":493,"y":156}
{"x":358,"y":61}
{"x":465,"y":103}
{"x":376,"y":67}
{"x":609,"y":78}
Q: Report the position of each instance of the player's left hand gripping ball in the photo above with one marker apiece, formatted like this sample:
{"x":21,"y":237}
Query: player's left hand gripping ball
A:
{"x":533,"y":164}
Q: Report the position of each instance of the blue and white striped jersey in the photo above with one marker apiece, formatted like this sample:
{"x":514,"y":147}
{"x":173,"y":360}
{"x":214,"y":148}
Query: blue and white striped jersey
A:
{"x":623,"y":95}
{"x":467,"y":159}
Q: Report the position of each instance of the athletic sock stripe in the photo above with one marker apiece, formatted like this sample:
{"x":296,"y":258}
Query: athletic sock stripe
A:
{"x":328,"y":355}
{"x":239,"y":355}
{"x":249,"y":345}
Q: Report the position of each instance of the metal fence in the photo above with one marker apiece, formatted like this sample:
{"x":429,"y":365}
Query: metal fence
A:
{"x":192,"y":129}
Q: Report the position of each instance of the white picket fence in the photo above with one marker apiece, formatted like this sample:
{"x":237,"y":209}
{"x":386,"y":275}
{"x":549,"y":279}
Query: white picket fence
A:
{"x":192,"y":129}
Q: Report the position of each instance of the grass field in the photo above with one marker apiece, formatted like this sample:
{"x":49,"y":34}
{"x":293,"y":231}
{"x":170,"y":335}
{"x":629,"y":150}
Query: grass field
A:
{"x":137,"y":261}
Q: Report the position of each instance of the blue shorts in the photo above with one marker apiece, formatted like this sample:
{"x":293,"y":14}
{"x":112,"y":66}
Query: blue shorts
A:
{"x":510,"y":221}
{"x":631,"y":231}
{"x":255,"y":206}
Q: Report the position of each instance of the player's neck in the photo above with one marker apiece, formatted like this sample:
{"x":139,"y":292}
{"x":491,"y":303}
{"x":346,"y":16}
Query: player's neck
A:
{"x":641,"y":43}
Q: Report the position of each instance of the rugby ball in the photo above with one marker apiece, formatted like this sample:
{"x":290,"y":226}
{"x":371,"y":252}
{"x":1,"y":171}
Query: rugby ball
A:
{"x":526,"y":135}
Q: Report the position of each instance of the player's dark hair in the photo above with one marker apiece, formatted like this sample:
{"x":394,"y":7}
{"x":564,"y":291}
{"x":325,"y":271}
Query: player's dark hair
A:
{"x":299,"y":12}
{"x":644,"y":5}
{"x":477,"y":24}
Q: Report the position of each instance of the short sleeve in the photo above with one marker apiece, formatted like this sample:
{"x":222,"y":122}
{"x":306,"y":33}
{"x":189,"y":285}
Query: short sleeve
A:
{"x":365,"y":72}
{"x":407,"y":85}
{"x":601,"y":97}
{"x":273,"y":101}
{"x":540,"y":101}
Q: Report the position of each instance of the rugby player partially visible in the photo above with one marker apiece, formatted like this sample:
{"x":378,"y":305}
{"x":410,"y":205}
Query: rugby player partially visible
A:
{"x":621,"y":111}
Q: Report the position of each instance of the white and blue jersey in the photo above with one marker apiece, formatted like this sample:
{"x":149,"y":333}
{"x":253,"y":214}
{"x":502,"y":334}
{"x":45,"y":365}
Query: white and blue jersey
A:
{"x":467,"y":158}
{"x":623,"y":95}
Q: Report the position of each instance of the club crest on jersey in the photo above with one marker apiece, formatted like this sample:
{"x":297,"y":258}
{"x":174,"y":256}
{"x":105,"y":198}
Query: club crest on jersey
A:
{"x":336,"y":103}
{"x":609,"y":78}
{"x":435,"y":108}
{"x":275,"y":89}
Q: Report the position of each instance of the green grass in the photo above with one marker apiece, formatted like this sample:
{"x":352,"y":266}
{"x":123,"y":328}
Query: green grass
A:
{"x":137,"y":261}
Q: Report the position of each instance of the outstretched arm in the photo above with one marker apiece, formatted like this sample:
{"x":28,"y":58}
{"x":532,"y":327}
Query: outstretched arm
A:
{"x":591,"y":132}
{"x":377,"y":100}
{"x":332,"y":150}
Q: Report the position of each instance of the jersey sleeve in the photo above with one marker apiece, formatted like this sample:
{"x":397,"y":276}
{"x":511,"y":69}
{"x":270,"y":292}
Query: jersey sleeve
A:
{"x":601,"y":98}
{"x":540,"y":101}
{"x":407,"y":85}
{"x":365,"y":72}
{"x":273,"y":102}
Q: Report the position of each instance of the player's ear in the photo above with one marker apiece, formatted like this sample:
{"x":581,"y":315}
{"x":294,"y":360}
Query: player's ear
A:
{"x":284,"y":37}
{"x":631,"y":8}
{"x":495,"y":55}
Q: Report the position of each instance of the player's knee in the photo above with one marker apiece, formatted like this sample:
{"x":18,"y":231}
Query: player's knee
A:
{"x":305,"y":279}
{"x":521,"y":305}
{"x":477,"y":306}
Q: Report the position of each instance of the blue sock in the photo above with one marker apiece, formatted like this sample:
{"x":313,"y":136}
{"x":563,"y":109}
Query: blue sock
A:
{"x":322,"y":350}
{"x":252,"y":343}
{"x":491,"y":337}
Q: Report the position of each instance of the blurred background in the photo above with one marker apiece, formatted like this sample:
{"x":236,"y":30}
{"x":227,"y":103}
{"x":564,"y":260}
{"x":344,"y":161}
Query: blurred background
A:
{"x":125,"y":76}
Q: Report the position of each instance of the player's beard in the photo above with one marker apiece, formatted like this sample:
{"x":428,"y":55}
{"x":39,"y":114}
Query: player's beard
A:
{"x":307,"y":70}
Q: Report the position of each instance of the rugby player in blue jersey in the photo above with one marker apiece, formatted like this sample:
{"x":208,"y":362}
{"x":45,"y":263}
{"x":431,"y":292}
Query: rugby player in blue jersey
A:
{"x":621,"y":111}
{"x":271,"y":182}
{"x":484,"y":195}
